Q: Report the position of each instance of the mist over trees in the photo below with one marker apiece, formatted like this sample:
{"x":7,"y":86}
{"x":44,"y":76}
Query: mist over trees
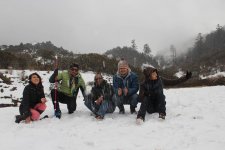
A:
{"x":206,"y":55}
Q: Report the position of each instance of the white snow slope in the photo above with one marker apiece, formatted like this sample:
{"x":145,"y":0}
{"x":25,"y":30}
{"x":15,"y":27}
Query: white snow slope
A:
{"x":195,"y":121}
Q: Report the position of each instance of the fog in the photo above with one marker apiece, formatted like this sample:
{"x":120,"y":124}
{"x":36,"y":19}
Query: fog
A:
{"x":84,"y":26}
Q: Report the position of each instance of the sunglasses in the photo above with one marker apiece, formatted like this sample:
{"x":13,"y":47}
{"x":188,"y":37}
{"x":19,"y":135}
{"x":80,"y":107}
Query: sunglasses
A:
{"x":98,"y":79}
{"x":73,"y":69}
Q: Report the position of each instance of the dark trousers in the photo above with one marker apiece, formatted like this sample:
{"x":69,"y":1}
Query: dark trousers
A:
{"x":62,"y":98}
{"x":153,"y":104}
{"x":121,"y":100}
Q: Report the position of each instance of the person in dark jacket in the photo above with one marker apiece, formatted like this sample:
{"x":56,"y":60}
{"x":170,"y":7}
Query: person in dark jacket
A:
{"x":99,"y":101}
{"x":33,"y":102}
{"x":151,"y":93}
{"x":70,"y":81}
{"x":125,"y":84}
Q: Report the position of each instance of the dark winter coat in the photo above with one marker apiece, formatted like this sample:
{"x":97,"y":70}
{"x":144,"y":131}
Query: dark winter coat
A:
{"x":32,"y":95}
{"x":105,"y":90}
{"x":154,"y":87}
{"x":130,"y":82}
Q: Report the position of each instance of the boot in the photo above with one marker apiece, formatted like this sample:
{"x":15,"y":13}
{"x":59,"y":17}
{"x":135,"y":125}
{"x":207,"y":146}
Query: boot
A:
{"x":140,"y":120}
{"x":121,"y":110}
{"x":98,"y":117}
{"x":162,"y":116}
{"x":58,"y":114}
{"x":132,"y":110}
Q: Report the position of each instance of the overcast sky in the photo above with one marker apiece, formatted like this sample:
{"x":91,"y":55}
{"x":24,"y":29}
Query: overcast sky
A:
{"x":98,"y":25}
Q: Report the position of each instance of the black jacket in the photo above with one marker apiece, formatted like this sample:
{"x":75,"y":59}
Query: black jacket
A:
{"x":105,"y":90}
{"x":154,"y":87}
{"x":32,"y":95}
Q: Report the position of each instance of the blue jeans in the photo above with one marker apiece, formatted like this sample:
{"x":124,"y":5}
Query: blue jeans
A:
{"x":105,"y":107}
{"x":121,"y":100}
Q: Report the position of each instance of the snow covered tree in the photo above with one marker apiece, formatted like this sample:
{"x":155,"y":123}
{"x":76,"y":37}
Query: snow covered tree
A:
{"x":147,"y":49}
{"x":133,"y":45}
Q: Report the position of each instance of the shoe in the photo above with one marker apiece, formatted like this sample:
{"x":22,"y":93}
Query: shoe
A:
{"x":22,"y":117}
{"x":132,"y":110}
{"x":70,"y":112}
{"x":58,"y":114}
{"x":139,"y":120}
{"x":19,"y":118}
{"x":162,"y":116}
{"x":121,"y":110}
{"x":98,"y":117}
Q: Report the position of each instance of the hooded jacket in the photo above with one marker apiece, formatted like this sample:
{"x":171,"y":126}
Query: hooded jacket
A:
{"x":153,"y":87}
{"x":130,"y":82}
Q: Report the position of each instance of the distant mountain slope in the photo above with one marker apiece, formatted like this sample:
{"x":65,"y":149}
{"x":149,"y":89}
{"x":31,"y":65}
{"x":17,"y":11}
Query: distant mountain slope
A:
{"x":132,"y":56}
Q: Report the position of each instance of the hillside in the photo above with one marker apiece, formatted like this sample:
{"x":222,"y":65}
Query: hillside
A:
{"x":134,"y":57}
{"x":207,"y":54}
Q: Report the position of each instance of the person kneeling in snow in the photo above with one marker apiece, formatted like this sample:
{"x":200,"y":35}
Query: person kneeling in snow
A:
{"x":125,"y":84}
{"x":33,"y":102}
{"x":70,"y":81}
{"x":99,"y":101}
{"x":151,"y":93}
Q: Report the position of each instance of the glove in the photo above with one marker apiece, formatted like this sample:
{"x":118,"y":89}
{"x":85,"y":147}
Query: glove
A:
{"x":53,"y":76}
{"x":188,"y":75}
{"x":55,"y":72}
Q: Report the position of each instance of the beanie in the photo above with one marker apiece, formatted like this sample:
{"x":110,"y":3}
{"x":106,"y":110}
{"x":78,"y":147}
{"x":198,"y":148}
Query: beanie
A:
{"x":123,"y":63}
{"x":74,"y":65}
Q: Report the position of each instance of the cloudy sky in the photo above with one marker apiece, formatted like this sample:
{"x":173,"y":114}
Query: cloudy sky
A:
{"x":98,"y":25}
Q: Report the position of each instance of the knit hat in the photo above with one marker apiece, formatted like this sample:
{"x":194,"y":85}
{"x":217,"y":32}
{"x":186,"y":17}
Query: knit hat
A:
{"x":123,"y":63}
{"x":74,"y":65}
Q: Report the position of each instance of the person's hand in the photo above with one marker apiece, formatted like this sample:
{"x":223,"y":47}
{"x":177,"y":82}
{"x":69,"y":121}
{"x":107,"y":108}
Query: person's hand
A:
{"x":120,"y":92}
{"x":28,"y":120}
{"x":43,"y":100}
{"x":188,"y":75}
{"x":125,"y":90}
{"x":99,"y":100}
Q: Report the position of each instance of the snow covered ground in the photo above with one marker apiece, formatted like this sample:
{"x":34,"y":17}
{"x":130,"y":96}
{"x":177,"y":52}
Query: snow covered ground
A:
{"x":195,"y":121}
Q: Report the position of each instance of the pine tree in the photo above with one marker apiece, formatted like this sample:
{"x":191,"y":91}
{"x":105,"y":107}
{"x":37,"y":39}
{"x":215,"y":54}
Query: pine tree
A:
{"x":147,"y":49}
{"x":133,"y":45}
{"x":174,"y":53}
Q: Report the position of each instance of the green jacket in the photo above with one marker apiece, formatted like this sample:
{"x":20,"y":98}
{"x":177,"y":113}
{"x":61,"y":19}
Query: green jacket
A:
{"x":70,"y":86}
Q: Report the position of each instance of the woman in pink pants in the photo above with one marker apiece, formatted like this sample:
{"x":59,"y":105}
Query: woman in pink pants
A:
{"x":33,"y":103}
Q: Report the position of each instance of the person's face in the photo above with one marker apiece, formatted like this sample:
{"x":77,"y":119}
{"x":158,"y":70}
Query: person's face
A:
{"x":123,"y":70}
{"x":74,"y":71}
{"x":98,"y":79}
{"x":35,"y":80}
{"x":153,"y":76}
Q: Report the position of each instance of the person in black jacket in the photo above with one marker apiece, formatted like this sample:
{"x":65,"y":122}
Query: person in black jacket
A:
{"x":99,"y":101}
{"x":151,"y":93}
{"x":33,"y":103}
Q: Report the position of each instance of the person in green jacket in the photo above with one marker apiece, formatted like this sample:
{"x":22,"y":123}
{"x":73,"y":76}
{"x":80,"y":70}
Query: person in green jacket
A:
{"x":70,"y":81}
